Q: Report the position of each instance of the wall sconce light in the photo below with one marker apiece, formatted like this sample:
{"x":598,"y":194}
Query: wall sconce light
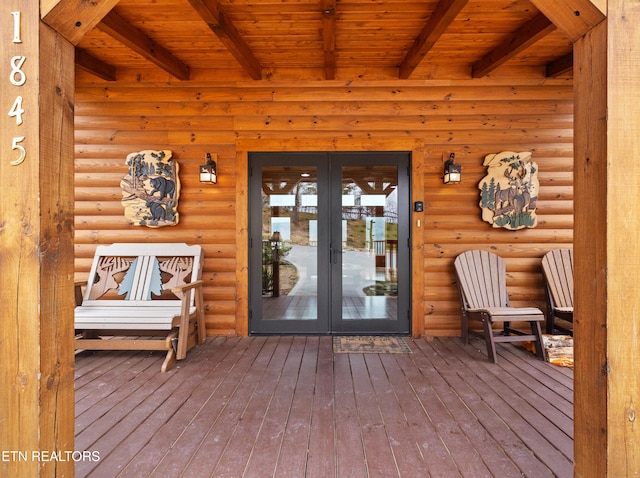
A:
{"x":208,"y":173}
{"x":452,"y":173}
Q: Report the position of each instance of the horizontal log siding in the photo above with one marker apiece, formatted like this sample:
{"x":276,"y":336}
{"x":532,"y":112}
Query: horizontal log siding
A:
{"x":472,"y":118}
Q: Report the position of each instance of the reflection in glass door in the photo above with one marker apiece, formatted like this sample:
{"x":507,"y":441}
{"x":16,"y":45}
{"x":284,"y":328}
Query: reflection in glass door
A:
{"x":372,"y":204}
{"x":289,"y":243}
{"x":288,"y":205}
{"x":325,"y":231}
{"x":369,"y":242}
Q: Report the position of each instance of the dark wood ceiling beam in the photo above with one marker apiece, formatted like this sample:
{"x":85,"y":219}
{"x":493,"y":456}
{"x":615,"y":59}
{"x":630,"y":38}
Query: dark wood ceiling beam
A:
{"x":117,"y":27}
{"x":218,"y":21}
{"x":446,"y":11}
{"x":329,"y":37}
{"x":537,"y":28}
{"x":573,"y":17}
{"x":560,"y":66}
{"x":73,"y":19}
{"x":91,"y":64}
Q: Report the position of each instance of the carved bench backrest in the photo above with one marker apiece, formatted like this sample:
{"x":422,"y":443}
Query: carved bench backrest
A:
{"x":129,"y":273}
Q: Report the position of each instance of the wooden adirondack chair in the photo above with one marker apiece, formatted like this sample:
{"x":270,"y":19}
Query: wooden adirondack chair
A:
{"x":557,"y":270}
{"x":482,"y":283}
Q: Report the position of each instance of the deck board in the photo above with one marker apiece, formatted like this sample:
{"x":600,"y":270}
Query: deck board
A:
{"x":268,"y":443}
{"x":290,"y":407}
{"x":534,"y":429}
{"x":492,"y":433}
{"x":292,"y":459}
{"x":350,"y":453}
{"x":406,"y":453}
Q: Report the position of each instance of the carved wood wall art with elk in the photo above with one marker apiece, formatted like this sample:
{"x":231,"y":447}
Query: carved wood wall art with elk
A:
{"x":509,"y":191}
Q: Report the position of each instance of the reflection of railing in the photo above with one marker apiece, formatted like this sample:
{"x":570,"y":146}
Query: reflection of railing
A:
{"x":349,"y":212}
{"x":386,"y":253}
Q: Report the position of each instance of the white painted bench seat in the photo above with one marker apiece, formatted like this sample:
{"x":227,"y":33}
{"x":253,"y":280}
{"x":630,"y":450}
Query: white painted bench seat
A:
{"x":119,"y":318}
{"x":149,"y":290}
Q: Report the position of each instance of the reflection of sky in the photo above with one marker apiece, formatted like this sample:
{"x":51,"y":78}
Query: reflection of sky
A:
{"x":309,"y":200}
{"x":313,"y":231}
{"x":282,"y":200}
{"x":375,"y":228}
{"x":283,"y":226}
{"x":372,"y":200}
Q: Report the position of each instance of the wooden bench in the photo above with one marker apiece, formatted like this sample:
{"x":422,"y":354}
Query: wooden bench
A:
{"x":151,"y":290}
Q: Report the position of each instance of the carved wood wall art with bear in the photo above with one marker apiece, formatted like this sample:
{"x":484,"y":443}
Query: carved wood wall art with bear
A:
{"x":151,"y":189}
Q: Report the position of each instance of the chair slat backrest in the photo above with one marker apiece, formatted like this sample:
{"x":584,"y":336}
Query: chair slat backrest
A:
{"x":557,"y":267}
{"x":482,"y":279}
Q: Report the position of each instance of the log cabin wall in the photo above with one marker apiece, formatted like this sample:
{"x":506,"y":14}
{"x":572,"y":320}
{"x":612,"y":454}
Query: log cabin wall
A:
{"x":231,"y":116}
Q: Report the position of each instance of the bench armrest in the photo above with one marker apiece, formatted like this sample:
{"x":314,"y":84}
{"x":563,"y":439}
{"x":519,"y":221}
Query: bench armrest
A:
{"x":185,"y":287}
{"x":79,"y":284}
{"x":184,"y":292}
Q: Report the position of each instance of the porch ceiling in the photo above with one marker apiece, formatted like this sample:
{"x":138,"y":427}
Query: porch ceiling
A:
{"x":390,"y":38}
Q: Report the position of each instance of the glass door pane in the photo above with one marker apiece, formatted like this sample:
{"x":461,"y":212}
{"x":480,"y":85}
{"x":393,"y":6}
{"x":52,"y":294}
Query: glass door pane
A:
{"x":288,"y":247}
{"x":329,"y":248}
{"x":289,"y":243}
{"x":369,"y":242}
{"x":370,"y":273}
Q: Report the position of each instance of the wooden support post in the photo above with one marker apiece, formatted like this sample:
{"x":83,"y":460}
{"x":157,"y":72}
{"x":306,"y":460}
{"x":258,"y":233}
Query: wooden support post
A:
{"x":36,"y":245}
{"x":417,"y":243}
{"x":606,"y":245}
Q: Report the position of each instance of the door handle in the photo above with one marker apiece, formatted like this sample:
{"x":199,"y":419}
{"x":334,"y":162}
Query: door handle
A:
{"x":334,"y":252}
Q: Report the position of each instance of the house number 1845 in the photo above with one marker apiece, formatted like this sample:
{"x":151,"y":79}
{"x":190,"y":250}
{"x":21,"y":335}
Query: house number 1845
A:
{"x":18,"y":78}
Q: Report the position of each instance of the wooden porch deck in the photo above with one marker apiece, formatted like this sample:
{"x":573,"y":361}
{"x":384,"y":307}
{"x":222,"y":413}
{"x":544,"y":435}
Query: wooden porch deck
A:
{"x":290,"y":407}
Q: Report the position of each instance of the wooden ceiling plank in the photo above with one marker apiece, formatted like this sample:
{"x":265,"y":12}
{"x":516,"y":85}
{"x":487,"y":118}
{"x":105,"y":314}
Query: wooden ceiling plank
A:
{"x":118,"y":28}
{"x":91,"y":64}
{"x":73,"y":19}
{"x":537,"y":28}
{"x":573,"y":17}
{"x":446,"y":11}
{"x":328,"y":8}
{"x":560,"y":66}
{"x":220,"y":24}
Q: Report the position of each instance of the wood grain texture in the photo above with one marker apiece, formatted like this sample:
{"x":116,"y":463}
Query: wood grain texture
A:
{"x":36,"y":283}
{"x":288,"y":406}
{"x":328,"y":39}
{"x":591,"y":332}
{"x":613,"y":349}
{"x":56,"y":248}
{"x":471,"y":118}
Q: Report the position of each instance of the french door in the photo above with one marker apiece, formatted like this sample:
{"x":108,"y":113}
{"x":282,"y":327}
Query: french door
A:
{"x":329,"y":243}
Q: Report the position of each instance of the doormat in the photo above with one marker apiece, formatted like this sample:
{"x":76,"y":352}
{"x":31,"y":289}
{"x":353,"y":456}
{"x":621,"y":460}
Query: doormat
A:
{"x":370,"y":345}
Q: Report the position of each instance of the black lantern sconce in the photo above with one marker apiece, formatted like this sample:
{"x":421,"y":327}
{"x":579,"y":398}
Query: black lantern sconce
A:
{"x":208,"y":172}
{"x":452,"y":173}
